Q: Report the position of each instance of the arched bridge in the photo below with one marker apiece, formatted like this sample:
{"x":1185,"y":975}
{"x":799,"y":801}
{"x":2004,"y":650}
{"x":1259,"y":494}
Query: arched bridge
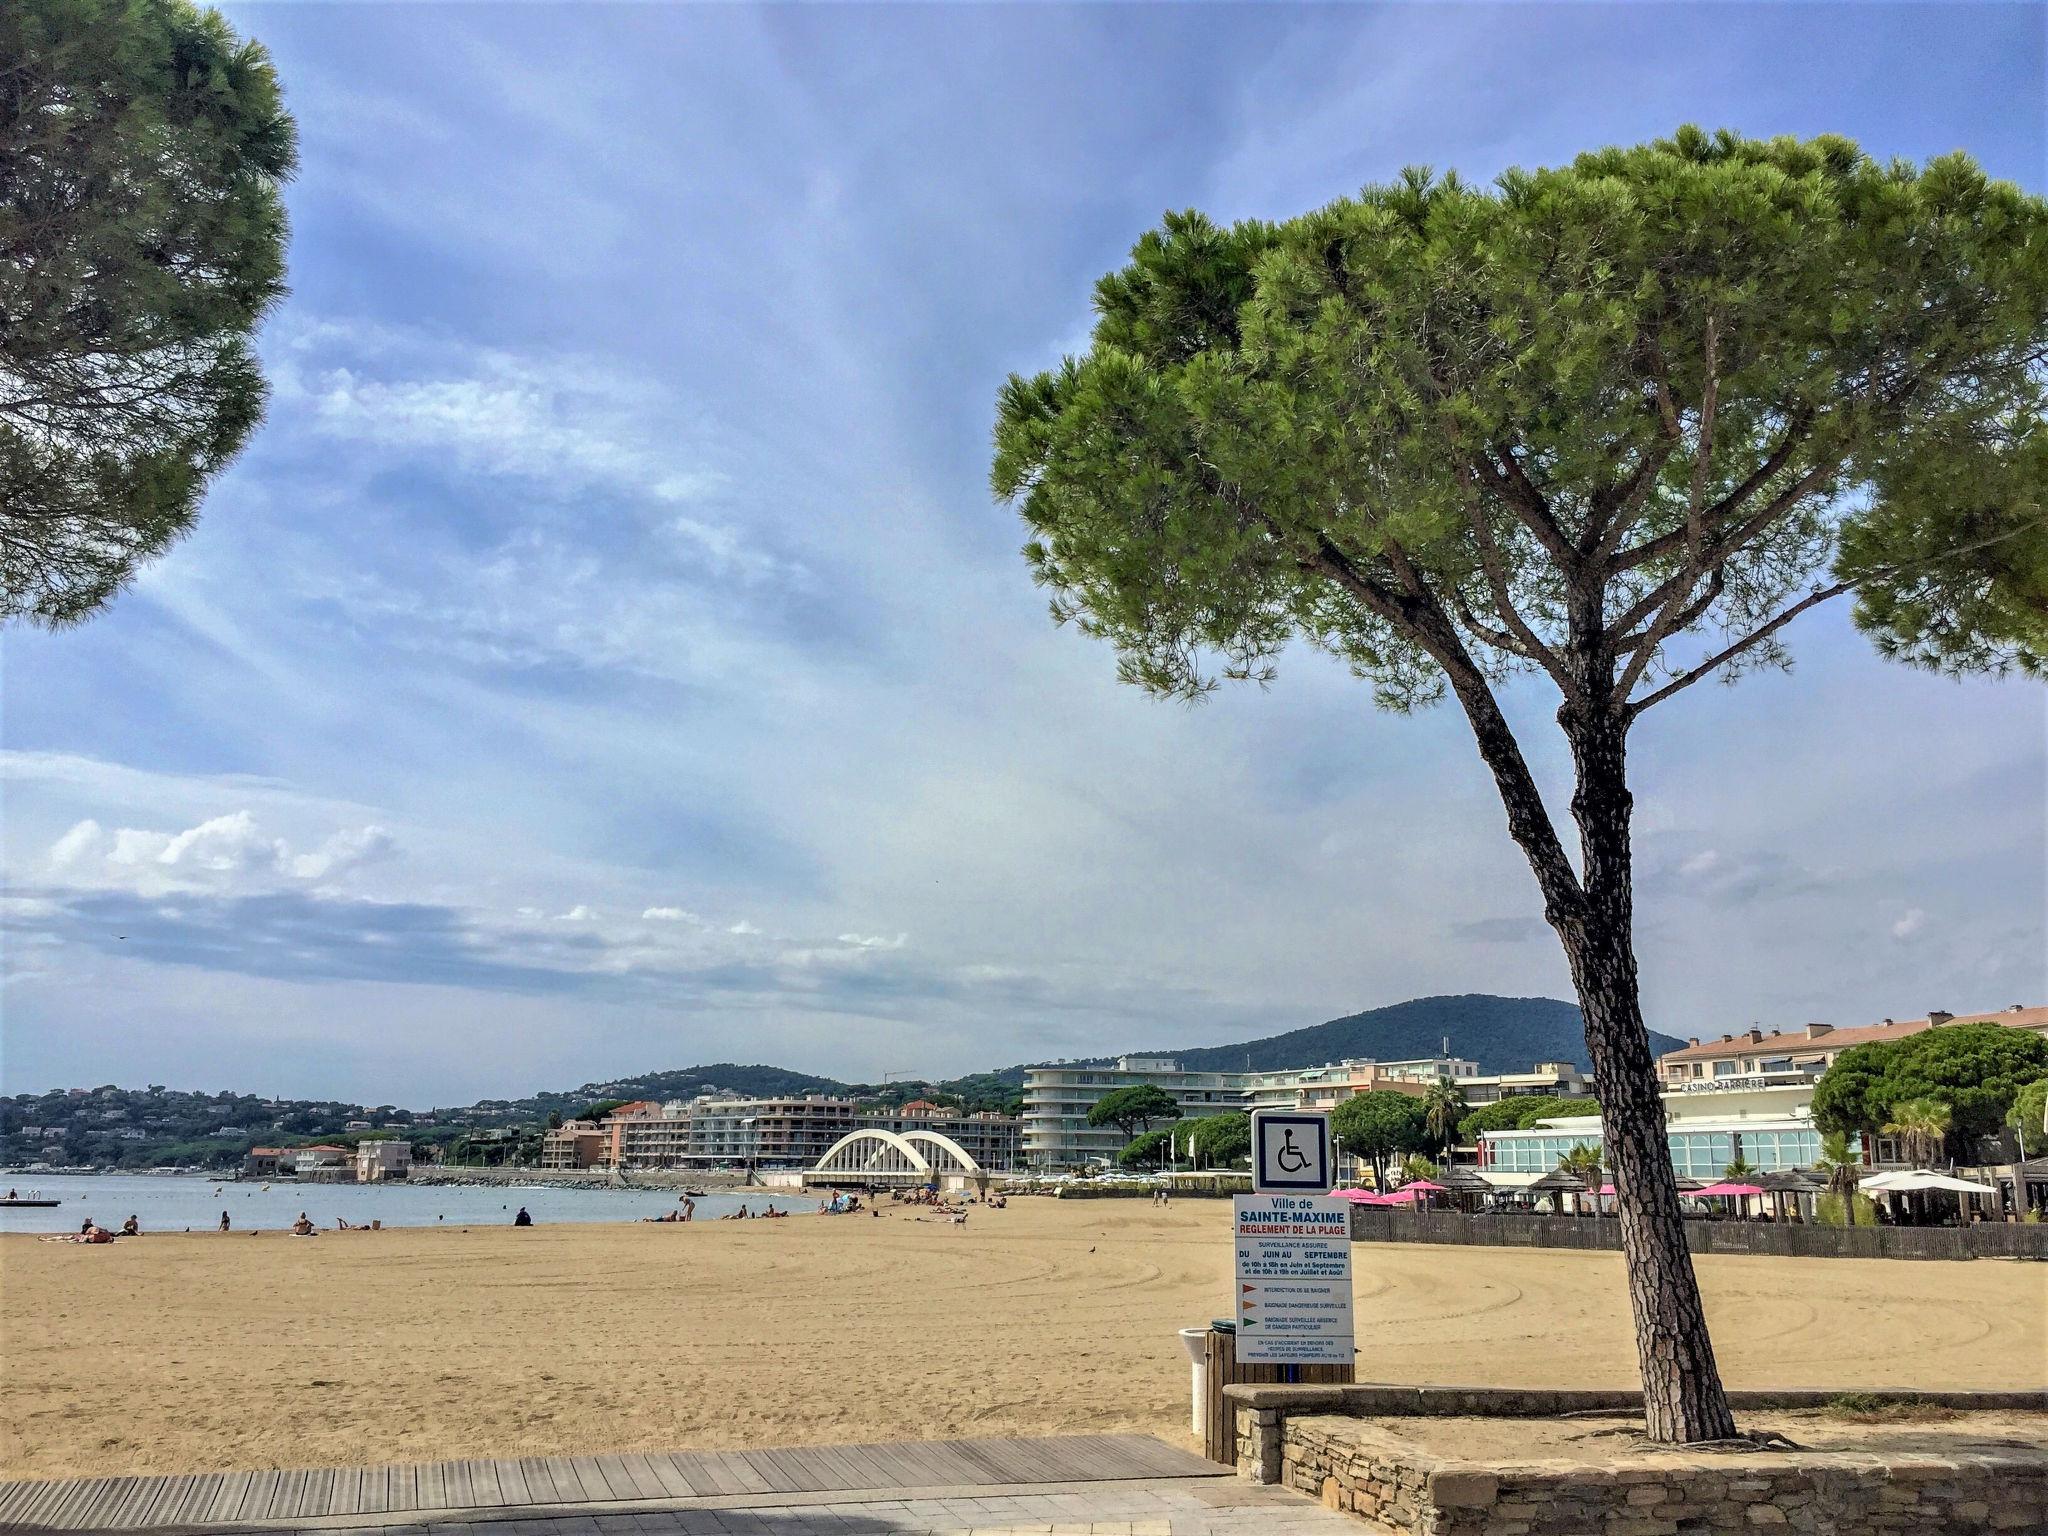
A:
{"x":900,"y":1158}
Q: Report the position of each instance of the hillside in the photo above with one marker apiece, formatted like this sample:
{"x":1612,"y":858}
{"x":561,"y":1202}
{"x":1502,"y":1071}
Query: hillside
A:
{"x":1502,"y":1034}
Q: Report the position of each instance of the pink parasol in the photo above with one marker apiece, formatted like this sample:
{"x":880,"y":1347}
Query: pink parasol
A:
{"x":1714,"y":1190}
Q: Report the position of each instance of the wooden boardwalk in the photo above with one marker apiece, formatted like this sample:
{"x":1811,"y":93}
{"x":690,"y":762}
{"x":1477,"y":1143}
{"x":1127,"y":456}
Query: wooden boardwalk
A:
{"x":414,"y":1493}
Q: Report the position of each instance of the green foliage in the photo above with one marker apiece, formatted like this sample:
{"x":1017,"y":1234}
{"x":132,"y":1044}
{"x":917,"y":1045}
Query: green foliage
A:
{"x":599,"y":1110}
{"x":1922,"y":1125}
{"x":2029,"y":1114}
{"x":1151,"y":1150}
{"x":1379,"y":1126}
{"x":1442,"y":1108}
{"x":1698,"y":376}
{"x":1220,"y":1141}
{"x":1828,"y":1211}
{"x":1519,"y":1114}
{"x":1976,"y":1070}
{"x":1415,"y":1166}
{"x":1584,"y":1161}
{"x":1134,"y":1108}
{"x":144,"y":145}
{"x":1741,"y":1171}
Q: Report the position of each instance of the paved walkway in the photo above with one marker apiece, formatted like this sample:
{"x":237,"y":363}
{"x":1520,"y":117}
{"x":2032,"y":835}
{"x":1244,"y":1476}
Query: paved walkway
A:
{"x":1079,"y":1485}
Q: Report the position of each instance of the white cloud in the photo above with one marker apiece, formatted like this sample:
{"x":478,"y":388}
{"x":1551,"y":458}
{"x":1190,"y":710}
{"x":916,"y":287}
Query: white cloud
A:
{"x":76,"y":845}
{"x":1702,"y":863}
{"x":868,"y":941}
{"x":580,"y":913}
{"x":743,"y":927}
{"x":227,"y":853}
{"x":1910,"y":924}
{"x":342,"y":852}
{"x":672,"y":915}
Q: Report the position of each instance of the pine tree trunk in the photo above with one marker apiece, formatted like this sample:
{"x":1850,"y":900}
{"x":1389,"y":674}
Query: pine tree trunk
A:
{"x":1682,"y":1394}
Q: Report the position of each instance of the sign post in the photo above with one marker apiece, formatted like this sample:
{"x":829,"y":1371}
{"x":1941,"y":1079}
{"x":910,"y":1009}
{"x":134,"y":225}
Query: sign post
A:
{"x":1293,"y":1248}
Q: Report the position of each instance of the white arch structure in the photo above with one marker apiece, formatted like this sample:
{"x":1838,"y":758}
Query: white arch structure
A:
{"x":890,"y":1157}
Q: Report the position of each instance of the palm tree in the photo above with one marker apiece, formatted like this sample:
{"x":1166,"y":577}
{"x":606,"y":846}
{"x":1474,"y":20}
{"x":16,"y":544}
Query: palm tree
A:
{"x":1415,"y":1166}
{"x":1741,"y":1171}
{"x":1841,"y":1169}
{"x":1922,"y":1125}
{"x":1442,"y":1108}
{"x":1583,"y":1161}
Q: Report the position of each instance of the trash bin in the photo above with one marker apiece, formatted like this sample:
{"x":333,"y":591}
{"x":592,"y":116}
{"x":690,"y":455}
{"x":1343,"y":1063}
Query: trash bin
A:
{"x":1193,"y":1340}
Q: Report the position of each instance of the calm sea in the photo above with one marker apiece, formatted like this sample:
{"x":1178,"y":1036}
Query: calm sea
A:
{"x":174,"y":1203}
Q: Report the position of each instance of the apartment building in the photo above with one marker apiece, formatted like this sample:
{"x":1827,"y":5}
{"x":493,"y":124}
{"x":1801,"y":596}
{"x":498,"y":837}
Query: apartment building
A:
{"x":379,"y":1162}
{"x":994,"y":1141}
{"x":1746,"y":1097}
{"x":1780,"y":1056}
{"x":1056,"y":1132}
{"x":574,"y":1144}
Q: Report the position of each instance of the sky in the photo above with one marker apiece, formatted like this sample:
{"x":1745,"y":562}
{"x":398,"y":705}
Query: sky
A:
{"x":609,"y":656}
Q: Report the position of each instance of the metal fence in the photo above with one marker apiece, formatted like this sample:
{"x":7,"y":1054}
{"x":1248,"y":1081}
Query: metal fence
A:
{"x":1987,"y":1240}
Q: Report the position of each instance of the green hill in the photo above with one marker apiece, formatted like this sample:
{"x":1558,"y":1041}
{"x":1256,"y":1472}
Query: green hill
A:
{"x":1502,"y":1034}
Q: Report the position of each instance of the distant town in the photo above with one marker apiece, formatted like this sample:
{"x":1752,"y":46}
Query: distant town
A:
{"x":1743,"y":1101}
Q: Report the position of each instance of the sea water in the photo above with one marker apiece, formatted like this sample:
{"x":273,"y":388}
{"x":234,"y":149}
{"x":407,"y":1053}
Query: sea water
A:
{"x":180,"y":1202}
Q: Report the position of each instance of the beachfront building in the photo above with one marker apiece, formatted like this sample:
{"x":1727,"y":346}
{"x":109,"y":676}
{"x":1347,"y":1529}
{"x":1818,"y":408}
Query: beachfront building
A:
{"x":994,"y":1141}
{"x":1777,"y":1056}
{"x":269,"y":1163}
{"x":1057,"y":1099}
{"x":324,"y":1164}
{"x":574,"y":1144}
{"x":765,"y":1133}
{"x":647,"y":1134}
{"x":1545,"y":1080}
{"x":380,"y":1161}
{"x":1325,"y":1087}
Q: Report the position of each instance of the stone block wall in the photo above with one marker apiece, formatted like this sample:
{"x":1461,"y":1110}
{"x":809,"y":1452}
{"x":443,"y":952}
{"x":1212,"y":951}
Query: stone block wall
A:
{"x":1345,"y":1464}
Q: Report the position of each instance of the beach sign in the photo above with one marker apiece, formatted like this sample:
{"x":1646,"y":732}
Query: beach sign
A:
{"x":1291,"y":1153}
{"x":1293,"y":1280}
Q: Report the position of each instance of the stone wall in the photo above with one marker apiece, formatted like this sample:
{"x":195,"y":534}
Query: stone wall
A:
{"x":1350,"y":1465}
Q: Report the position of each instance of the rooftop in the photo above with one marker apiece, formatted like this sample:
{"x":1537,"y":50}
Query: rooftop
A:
{"x":1827,"y":1037}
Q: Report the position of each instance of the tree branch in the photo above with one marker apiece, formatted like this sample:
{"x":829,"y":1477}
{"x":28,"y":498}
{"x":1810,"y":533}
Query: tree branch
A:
{"x":1692,"y":675}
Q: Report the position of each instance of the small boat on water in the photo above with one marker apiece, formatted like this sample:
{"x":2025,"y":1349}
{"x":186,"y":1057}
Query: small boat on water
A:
{"x":18,"y":1204}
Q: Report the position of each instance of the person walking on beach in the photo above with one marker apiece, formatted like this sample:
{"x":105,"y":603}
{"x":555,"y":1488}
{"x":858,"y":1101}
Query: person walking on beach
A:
{"x":689,"y":1208}
{"x":223,"y":1221}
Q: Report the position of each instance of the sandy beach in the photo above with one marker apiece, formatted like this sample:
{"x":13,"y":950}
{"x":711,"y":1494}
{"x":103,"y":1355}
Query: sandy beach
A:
{"x":190,"y":1353}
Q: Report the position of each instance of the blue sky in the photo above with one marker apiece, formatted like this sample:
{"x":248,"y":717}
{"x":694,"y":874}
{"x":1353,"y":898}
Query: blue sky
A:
{"x":608,"y":656}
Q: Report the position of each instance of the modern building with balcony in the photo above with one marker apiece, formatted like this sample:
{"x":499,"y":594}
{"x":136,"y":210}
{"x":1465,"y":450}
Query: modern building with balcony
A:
{"x":994,"y":1141}
{"x":1057,"y":1100}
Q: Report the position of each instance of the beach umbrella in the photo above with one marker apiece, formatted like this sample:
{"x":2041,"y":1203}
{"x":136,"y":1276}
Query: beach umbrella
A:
{"x":1357,"y":1196}
{"x":1426,"y":1185}
{"x":1716,"y":1191}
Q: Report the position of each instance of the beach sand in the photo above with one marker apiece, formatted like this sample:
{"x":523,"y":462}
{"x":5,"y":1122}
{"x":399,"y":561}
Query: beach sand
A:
{"x":192,"y":1353}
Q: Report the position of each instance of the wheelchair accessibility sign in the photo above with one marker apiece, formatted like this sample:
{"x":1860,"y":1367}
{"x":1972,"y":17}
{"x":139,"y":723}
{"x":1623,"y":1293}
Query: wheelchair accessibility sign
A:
{"x":1291,"y":1153}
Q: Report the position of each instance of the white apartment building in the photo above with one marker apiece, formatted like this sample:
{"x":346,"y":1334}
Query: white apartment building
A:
{"x":1057,"y":1101}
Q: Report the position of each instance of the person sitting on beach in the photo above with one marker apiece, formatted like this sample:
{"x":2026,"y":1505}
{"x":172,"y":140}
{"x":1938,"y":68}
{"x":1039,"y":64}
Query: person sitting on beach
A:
{"x":303,"y":1227}
{"x":131,"y":1228}
{"x":522,"y":1219}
